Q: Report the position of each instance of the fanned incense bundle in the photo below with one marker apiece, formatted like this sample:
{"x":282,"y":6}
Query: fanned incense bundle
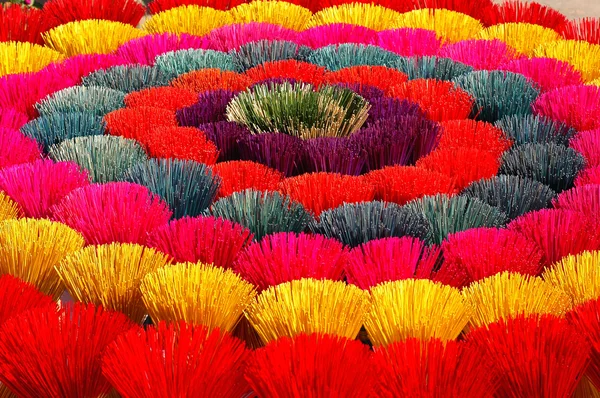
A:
{"x":144,"y":50}
{"x":156,"y":6}
{"x":258,"y":52}
{"x":225,"y":136}
{"x":401,"y":184}
{"x":308,"y":306}
{"x":337,"y":33}
{"x":432,"y":68}
{"x":586,"y":143}
{"x":176,"y":63}
{"x":208,"y":107}
{"x":231,"y":37}
{"x":20,"y":92}
{"x":523,"y":129}
{"x":16,"y":148}
{"x":191,"y":19}
{"x":176,"y":360}
{"x":24,"y":24}
{"x":184,"y":143}
{"x":22,"y":57}
{"x":399,"y":6}
{"x":237,"y":176}
{"x":590,"y":176}
{"x":355,"y":224}
{"x":318,"y":192}
{"x":523,"y":37}
{"x":526,"y":12}
{"x":534,"y":356}
{"x":377,"y":76}
{"x":284,"y":257}
{"x":370,"y":16}
{"x":9,"y":209}
{"x":557,"y":233}
{"x":12,"y":119}
{"x":170,"y":98}
{"x":390,"y":259}
{"x":206,"y":240}
{"x":450,"y":26}
{"x":312,"y":365}
{"x":198,"y":294}
{"x":281,"y":152}
{"x":583,"y":56}
{"x":448,"y":215}
{"x":550,"y":164}
{"x":90,"y":37}
{"x":392,"y":108}
{"x":409,"y":42}
{"x":60,"y":12}
{"x":473,"y":134}
{"x":282,"y":13}
{"x":113,"y":212}
{"x":585,"y":319}
{"x":110,"y":275}
{"x":513,"y":195}
{"x":187,"y":187}
{"x":39,"y":185}
{"x":463,"y":165}
{"x":263,"y":212}
{"x":439,"y":100}
{"x":432,"y":368}
{"x":587,"y":29}
{"x":299,"y":110}
{"x":203,"y":80}
{"x":134,"y":123}
{"x":585,"y":199}
{"x":577,"y":275}
{"x":498,"y":94}
{"x":52,"y":129}
{"x":415,"y":308}
{"x":478,"y":253}
{"x":18,"y":297}
{"x":547,"y":73}
{"x":290,"y":70}
{"x":127,"y":78}
{"x":480,"y":54}
{"x":557,"y":105}
{"x":78,"y":66}
{"x":47,"y":353}
{"x":30,"y":249}
{"x":104,"y":157}
{"x":99,"y":100}
{"x":336,"y":57}
{"x":511,"y":295}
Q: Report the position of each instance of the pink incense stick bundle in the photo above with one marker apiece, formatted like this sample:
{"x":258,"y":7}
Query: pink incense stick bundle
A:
{"x":38,"y":186}
{"x":337,"y":33}
{"x":390,"y":259}
{"x":114,"y":212}
{"x":286,"y":256}
{"x":409,"y":42}
{"x":208,"y":240}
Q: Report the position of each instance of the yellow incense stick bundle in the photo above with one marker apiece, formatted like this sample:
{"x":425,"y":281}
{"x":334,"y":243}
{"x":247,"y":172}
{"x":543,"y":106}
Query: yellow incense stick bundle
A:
{"x":308,"y":306}
{"x":110,"y":275}
{"x":508,"y":295}
{"x":415,"y":308}
{"x":199,"y":294}
{"x":30,"y":249}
